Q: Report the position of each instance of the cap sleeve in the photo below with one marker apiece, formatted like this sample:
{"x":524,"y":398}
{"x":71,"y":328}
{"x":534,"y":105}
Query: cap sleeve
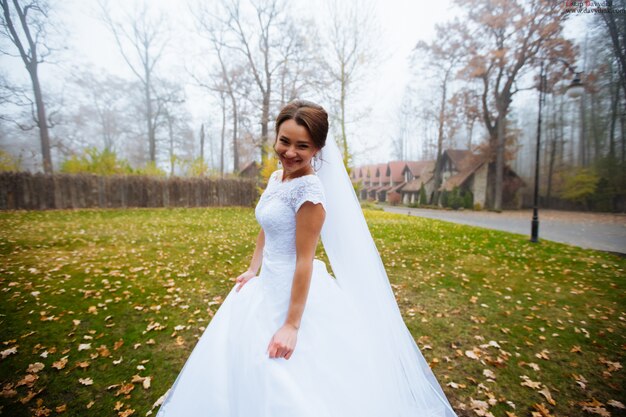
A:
{"x":310,"y":189}
{"x":275,"y":175}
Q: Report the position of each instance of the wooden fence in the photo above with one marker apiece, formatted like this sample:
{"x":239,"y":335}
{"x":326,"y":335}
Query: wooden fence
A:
{"x":23,"y":190}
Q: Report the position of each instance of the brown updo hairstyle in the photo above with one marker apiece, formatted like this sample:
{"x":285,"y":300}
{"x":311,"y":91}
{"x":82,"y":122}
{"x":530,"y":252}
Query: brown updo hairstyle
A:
{"x":311,"y":116}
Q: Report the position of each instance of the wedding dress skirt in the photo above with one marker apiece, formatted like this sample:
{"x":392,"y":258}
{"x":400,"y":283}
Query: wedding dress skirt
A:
{"x":331,"y":372}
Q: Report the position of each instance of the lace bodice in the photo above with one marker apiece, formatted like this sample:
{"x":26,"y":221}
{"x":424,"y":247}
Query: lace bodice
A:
{"x":277,"y":208}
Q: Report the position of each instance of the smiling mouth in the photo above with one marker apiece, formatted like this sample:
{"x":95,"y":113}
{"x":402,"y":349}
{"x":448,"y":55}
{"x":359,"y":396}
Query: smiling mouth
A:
{"x":290,"y":161}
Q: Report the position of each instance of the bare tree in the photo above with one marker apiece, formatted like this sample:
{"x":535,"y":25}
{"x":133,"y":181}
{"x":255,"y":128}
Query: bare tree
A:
{"x":468,"y":104}
{"x":170,"y":97}
{"x":616,"y":27}
{"x":405,"y":127}
{"x":229,"y":75}
{"x":224,"y":83}
{"x":554,"y":143}
{"x":202,"y":136}
{"x":257,"y":44}
{"x":100,"y":102}
{"x":442,"y":56}
{"x":12,"y":95}
{"x":300,"y":73}
{"x":352,"y":52}
{"x":141,"y":40}
{"x":263,"y":60}
{"x":25,"y":27}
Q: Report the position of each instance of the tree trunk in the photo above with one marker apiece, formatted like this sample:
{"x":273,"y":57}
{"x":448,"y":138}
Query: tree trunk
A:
{"x":582,"y":142}
{"x":342,"y":105}
{"x":223,"y":136}
{"x":170,"y":131}
{"x":233,"y":102}
{"x":583,"y":123}
{"x":501,"y":134}
{"x":614,"y":103}
{"x":469,"y":135}
{"x":42,"y":122}
{"x":617,"y":41}
{"x":438,"y":167}
{"x":211,"y":158}
{"x":551,"y":161}
{"x":202,"y":142}
{"x":31,"y":60}
{"x":623,"y":129}
{"x":265,"y":117}
{"x":149,"y":121}
{"x":235,"y":126}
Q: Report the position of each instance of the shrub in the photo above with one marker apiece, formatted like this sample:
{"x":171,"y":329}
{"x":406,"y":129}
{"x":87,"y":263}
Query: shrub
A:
{"x":580,"y":186}
{"x":444,"y":198}
{"x":151,"y":169}
{"x":269,"y":164}
{"x":468,"y":199}
{"x":603,"y":199}
{"x":8,"y":162}
{"x":423,"y":199}
{"x":94,"y":161}
{"x":371,"y":205}
{"x":196,"y":168}
{"x":455,"y":200}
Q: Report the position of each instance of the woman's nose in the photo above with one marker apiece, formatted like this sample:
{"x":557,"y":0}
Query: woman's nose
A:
{"x":290,"y":151}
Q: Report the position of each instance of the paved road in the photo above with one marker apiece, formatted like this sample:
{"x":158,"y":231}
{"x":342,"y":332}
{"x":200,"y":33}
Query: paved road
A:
{"x":601,"y":231}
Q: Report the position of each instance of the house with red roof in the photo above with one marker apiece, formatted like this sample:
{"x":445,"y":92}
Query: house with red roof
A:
{"x":384,"y":182}
{"x":363,"y":179}
{"x":395,"y":174}
{"x":379,"y":183}
{"x":400,"y":182}
{"x":471,"y":172}
{"x":417,"y":174}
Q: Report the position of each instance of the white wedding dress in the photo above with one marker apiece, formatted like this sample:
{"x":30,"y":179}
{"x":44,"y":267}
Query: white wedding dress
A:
{"x":331,"y":372}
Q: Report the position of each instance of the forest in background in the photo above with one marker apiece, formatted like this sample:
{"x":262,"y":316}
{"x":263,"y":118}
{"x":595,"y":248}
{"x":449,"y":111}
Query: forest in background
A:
{"x":473,"y":87}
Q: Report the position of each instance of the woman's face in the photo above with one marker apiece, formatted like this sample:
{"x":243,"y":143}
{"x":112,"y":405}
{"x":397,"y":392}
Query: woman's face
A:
{"x":294,"y":147}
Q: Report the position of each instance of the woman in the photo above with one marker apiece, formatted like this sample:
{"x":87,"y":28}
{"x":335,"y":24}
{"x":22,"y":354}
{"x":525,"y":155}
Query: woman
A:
{"x":293,"y":341}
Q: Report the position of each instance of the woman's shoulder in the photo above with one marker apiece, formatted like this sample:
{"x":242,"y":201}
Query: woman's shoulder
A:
{"x":308,"y":188}
{"x":277,"y":174}
{"x":312,"y":179}
{"x":308,"y":184}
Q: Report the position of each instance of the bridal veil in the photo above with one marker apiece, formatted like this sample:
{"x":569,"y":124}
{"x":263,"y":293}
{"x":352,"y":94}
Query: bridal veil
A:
{"x":359,"y":271}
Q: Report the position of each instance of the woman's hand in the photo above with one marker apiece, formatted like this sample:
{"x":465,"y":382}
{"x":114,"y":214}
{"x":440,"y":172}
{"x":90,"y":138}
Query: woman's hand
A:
{"x":243,"y":278}
{"x":283,"y":342}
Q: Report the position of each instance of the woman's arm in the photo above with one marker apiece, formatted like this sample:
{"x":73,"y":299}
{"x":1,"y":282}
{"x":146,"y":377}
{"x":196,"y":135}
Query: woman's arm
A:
{"x":255,"y":263}
{"x":309,"y":221}
{"x":257,"y":256}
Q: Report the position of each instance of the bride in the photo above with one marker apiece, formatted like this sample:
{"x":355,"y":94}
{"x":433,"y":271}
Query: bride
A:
{"x":294,"y":341}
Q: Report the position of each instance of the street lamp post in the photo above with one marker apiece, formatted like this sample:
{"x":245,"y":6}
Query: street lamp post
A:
{"x":534,"y":226}
{"x":574,"y":90}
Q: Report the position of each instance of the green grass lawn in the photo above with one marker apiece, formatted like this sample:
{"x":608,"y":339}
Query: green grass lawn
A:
{"x":99,"y":309}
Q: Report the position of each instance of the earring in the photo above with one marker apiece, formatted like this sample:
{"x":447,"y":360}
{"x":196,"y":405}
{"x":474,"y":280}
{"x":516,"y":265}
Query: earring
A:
{"x":316,"y":159}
